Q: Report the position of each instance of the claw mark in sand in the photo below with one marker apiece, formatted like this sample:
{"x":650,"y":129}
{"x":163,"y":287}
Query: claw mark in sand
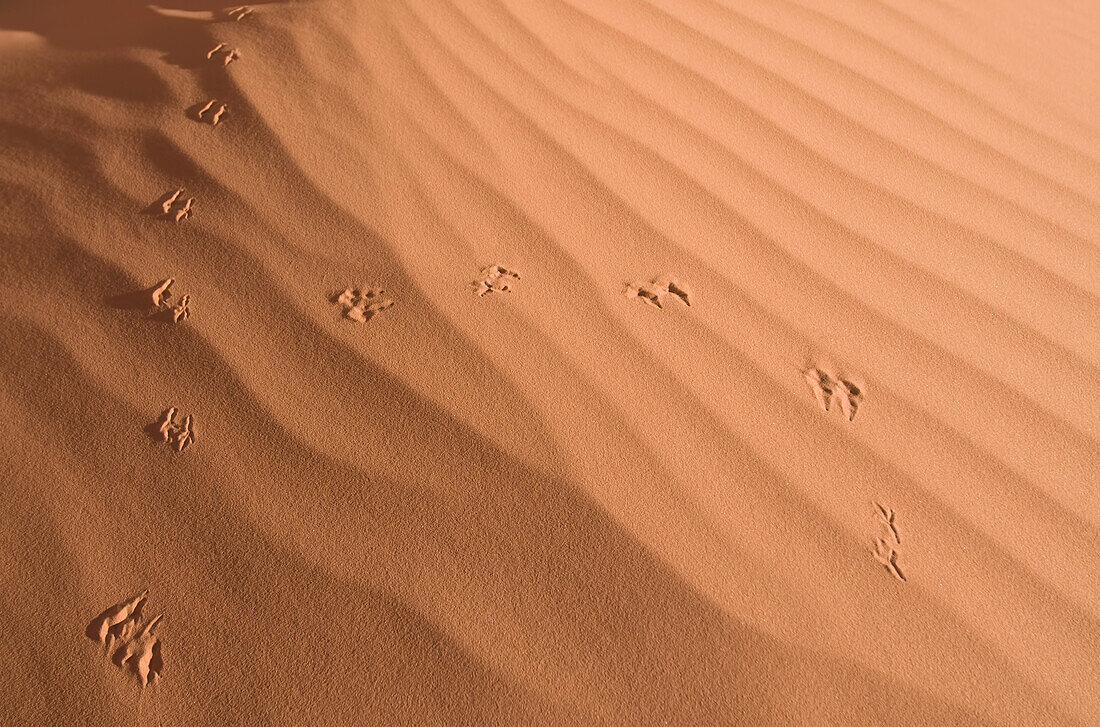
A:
{"x":166,"y":205}
{"x":184,"y":212}
{"x":240,"y":12}
{"x":175,"y":207}
{"x":360,"y":304}
{"x":130,"y":639}
{"x":656,"y":291}
{"x":179,"y":435}
{"x":160,"y":292}
{"x":828,"y":387}
{"x":165,"y":310}
{"x":215,"y":113}
{"x":156,"y":302}
{"x":226,"y":55}
{"x":888,"y":540}
{"x":495,"y":279}
{"x":886,"y":518}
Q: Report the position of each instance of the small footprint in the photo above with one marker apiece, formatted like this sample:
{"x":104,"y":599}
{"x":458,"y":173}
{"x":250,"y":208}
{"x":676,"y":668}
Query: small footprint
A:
{"x":173,"y":206}
{"x":495,"y":279}
{"x":888,"y":557}
{"x":156,"y":302}
{"x":130,"y":640}
{"x":822,"y":386}
{"x":165,"y":310}
{"x":160,"y":292}
{"x":827,"y":387}
{"x":180,"y":311}
{"x":850,"y":397}
{"x":215,"y":109}
{"x":361,"y":304}
{"x":888,"y":540}
{"x":179,"y":435}
{"x":886,"y":518}
{"x":240,"y":12}
{"x":227,"y":55}
{"x":656,"y":291}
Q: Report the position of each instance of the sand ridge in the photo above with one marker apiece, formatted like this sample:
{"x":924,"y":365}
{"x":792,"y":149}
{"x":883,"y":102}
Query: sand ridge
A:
{"x":837,"y":469}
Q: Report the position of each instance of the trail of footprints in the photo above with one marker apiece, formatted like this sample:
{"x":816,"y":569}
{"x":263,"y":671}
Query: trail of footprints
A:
{"x":130,"y":638}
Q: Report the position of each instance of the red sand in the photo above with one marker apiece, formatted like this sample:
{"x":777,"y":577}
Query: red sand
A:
{"x":854,"y":482}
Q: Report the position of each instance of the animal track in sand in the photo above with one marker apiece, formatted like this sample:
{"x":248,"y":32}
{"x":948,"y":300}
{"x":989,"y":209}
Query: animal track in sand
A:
{"x":130,"y":639}
{"x":173,"y":206}
{"x":240,"y":12}
{"x":156,"y":302}
{"x":361,"y":304}
{"x":225,"y":54}
{"x":179,"y":311}
{"x":887,"y":541}
{"x":177,"y":434}
{"x":656,"y":291}
{"x":827,"y":387}
{"x":495,"y":279}
{"x":214,"y":110}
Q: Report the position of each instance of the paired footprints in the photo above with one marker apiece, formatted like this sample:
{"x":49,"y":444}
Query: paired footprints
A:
{"x":887,"y":541}
{"x":361,"y":304}
{"x":212,"y":112}
{"x":175,"y":207}
{"x":130,"y":639}
{"x":239,"y":13}
{"x":656,"y":291}
{"x":178,"y":434}
{"x":828,"y":388}
{"x":495,"y":279}
{"x":176,"y":312}
{"x":224,"y":53}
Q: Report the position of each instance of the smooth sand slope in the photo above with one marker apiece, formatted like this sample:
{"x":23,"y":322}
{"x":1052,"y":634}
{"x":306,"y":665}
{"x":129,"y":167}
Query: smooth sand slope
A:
{"x":624,"y":362}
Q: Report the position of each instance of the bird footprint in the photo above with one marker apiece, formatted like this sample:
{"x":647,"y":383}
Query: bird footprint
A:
{"x":178,"y":434}
{"x":213,"y":110}
{"x":495,"y":279}
{"x":828,"y":388}
{"x":361,"y":304}
{"x":224,"y":53}
{"x":130,"y":640}
{"x":888,"y":540}
{"x":240,"y":12}
{"x":656,"y":291}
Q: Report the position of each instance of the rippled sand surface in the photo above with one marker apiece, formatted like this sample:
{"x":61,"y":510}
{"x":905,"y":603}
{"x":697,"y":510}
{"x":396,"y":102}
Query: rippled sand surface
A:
{"x":550,"y":362}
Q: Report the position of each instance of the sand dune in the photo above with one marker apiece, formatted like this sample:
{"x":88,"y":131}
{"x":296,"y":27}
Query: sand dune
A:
{"x":783,"y":410}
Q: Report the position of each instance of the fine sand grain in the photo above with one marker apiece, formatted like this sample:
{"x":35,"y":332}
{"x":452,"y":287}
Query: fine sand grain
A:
{"x":791,"y":419}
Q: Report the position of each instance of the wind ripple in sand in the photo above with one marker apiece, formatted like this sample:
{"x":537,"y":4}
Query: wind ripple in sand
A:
{"x":508,"y":537}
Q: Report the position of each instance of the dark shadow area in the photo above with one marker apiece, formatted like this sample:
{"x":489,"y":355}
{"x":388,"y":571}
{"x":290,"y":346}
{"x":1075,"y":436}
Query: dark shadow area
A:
{"x":192,"y":112}
{"x":107,"y":24}
{"x":152,"y":430}
{"x":156,"y":209}
{"x":121,"y":79}
{"x":136,"y":300}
